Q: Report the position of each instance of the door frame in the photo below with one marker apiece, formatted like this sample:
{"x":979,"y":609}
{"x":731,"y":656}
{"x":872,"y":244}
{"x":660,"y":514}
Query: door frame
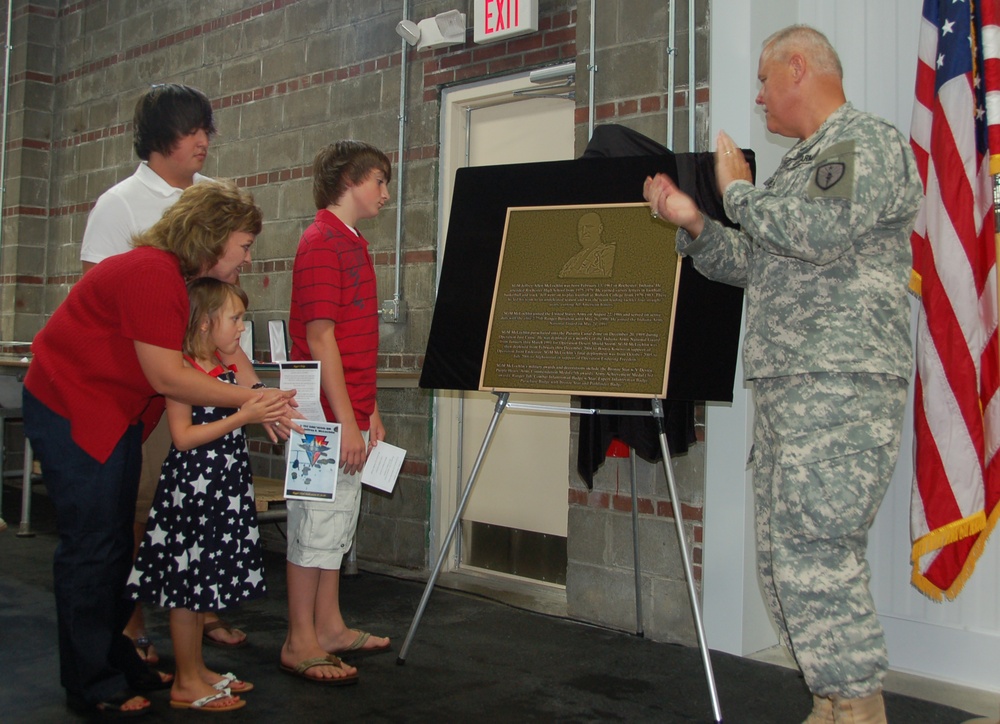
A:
{"x":449,"y":470}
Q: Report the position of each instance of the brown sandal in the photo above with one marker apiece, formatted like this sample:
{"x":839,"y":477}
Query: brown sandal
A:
{"x":231,"y":630}
{"x":144,"y":647}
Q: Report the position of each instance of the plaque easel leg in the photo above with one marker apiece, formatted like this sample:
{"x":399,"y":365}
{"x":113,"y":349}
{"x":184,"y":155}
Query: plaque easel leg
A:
{"x":635,"y":544}
{"x":685,"y":557}
{"x":446,"y":545}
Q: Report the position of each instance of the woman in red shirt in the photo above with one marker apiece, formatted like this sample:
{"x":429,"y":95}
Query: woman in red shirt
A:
{"x":99,"y":371}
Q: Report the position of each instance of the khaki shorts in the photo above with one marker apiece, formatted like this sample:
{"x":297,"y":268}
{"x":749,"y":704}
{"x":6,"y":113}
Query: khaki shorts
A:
{"x":154,"y":452}
{"x":320,"y":533}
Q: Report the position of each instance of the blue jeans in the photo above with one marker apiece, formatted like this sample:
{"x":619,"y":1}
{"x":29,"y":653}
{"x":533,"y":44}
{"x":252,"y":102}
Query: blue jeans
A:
{"x":95,"y":510}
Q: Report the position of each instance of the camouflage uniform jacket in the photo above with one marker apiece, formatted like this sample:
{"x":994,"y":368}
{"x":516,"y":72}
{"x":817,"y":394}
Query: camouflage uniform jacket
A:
{"x":824,"y":252}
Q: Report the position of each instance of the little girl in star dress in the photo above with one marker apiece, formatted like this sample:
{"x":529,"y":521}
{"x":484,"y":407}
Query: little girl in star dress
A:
{"x":201,"y":550}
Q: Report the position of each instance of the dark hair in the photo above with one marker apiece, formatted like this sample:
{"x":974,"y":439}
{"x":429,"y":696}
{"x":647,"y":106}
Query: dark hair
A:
{"x":165,"y":114}
{"x":207,"y":296}
{"x":343,"y":164}
{"x":197,"y":227}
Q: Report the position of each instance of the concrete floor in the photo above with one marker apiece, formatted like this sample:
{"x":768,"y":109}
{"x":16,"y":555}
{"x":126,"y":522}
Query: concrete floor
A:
{"x":471,"y":658}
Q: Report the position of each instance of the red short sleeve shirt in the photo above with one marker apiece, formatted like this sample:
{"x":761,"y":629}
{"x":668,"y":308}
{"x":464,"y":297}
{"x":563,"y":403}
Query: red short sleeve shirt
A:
{"x":333,"y":278}
{"x":84,"y":366}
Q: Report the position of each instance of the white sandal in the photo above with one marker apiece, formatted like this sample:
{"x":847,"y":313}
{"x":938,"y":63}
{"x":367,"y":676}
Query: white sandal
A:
{"x":202,"y":703}
{"x":232,"y":682}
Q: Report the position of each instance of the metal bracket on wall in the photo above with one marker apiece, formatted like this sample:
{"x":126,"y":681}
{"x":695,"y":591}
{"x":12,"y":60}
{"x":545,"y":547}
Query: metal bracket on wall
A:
{"x":393,"y":311}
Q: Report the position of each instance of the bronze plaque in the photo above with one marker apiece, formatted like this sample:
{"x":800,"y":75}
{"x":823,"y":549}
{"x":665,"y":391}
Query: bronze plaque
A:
{"x":583,"y":303}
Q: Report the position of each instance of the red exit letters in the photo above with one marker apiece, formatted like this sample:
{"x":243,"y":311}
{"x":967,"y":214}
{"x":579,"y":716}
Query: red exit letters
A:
{"x":501,"y":19}
{"x":501,"y":15}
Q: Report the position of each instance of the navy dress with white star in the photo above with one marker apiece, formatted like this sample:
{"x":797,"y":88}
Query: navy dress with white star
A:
{"x":201,"y":550}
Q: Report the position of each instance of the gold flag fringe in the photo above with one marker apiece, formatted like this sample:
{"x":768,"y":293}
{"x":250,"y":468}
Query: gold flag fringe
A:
{"x":974,"y":525}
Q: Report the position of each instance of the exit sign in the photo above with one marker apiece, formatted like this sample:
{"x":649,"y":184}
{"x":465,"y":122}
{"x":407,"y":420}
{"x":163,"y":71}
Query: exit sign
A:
{"x":501,"y":19}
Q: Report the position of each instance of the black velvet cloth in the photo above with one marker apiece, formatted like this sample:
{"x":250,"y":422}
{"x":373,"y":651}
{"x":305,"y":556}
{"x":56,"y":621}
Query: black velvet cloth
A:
{"x":708,"y":314}
{"x":695,"y":176}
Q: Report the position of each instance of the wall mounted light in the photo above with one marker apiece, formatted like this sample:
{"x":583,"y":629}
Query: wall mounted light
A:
{"x":408,"y":31}
{"x":443,"y":29}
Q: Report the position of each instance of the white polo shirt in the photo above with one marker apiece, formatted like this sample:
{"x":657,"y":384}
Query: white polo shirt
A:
{"x":128,"y":208}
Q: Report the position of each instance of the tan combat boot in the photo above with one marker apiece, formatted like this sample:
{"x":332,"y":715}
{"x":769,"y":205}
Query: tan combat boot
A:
{"x":822,"y":712}
{"x":865,"y":710}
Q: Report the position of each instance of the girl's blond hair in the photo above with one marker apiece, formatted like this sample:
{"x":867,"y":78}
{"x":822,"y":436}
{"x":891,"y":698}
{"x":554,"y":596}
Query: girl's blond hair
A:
{"x":207,"y":296}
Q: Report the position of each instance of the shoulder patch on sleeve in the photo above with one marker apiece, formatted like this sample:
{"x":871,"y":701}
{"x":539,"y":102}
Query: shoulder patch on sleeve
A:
{"x":833,"y":172}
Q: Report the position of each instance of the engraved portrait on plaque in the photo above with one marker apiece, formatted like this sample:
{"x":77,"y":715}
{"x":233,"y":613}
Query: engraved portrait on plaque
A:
{"x":583,"y":302}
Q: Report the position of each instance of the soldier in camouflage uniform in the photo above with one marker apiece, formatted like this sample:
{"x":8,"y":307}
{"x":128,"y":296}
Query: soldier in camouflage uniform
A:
{"x":823,"y":254}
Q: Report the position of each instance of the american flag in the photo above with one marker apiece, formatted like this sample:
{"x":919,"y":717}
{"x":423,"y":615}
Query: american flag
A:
{"x":956,"y":120}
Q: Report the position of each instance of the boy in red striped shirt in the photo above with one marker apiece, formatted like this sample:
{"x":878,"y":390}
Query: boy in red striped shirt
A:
{"x":334,"y":319}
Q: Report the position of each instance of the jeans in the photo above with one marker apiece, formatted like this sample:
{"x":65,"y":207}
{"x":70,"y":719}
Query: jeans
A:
{"x":95,"y":510}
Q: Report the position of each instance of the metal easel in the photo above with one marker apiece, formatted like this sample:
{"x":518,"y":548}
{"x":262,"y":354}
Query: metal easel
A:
{"x":657,"y":413}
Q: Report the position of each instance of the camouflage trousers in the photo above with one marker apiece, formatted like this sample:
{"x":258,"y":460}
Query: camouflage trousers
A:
{"x":824,"y":450}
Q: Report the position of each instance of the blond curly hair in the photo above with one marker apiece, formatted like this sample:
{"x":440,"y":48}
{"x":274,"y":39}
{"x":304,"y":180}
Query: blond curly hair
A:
{"x":198,"y":226}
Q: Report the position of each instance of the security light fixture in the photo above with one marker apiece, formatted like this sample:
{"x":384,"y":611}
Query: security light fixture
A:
{"x":443,"y":29}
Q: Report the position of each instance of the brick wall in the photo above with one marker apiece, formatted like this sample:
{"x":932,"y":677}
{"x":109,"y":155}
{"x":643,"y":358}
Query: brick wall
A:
{"x":285,"y":77}
{"x":600,"y":576}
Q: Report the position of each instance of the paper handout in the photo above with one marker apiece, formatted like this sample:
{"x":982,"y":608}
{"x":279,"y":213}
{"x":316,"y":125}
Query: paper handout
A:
{"x":304,"y":378}
{"x":313,"y":457}
{"x":382,"y":467}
